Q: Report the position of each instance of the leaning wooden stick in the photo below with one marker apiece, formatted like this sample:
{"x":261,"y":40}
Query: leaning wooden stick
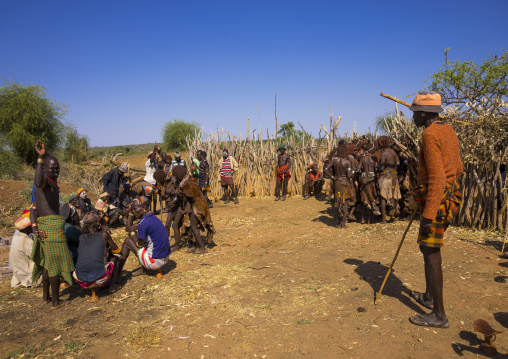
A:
{"x":408,"y":105}
{"x":396,"y":254}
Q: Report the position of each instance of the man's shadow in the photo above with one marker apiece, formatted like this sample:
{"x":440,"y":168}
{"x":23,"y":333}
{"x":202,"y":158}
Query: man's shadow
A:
{"x":374,"y":272}
{"x":329,"y":217}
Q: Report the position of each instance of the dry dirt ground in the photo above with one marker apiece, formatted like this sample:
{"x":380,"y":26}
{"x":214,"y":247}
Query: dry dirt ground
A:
{"x":282,"y":282}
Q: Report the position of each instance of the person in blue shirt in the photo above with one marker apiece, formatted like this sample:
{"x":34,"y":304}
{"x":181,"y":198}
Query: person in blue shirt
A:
{"x":148,"y":239}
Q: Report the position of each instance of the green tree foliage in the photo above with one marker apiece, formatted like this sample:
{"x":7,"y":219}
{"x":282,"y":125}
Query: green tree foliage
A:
{"x":287,"y":130}
{"x":174,"y":133}
{"x":473,"y":87}
{"x":26,"y":114}
{"x":75,"y":146}
{"x":386,"y":119}
{"x":10,"y":163}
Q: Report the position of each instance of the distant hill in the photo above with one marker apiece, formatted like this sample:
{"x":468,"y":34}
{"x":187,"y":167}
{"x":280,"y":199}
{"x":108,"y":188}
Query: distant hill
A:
{"x":99,"y":152}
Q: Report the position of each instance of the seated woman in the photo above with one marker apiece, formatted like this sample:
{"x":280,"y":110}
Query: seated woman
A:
{"x":84,"y":203}
{"x":19,"y":254}
{"x":93,"y":267}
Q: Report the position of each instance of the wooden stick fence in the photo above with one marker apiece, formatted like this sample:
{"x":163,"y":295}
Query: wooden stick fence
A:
{"x":257,"y":158}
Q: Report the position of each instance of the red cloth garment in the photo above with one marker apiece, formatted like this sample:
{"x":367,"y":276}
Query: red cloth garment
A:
{"x":313,"y":177}
{"x":280,"y":173}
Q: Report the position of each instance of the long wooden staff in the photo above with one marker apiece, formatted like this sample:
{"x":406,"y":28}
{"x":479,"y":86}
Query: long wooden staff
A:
{"x":408,"y":105}
{"x":396,"y":254}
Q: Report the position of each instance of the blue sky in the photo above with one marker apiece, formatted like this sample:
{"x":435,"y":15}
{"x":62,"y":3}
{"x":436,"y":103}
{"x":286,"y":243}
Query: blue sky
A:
{"x":124,"y":68}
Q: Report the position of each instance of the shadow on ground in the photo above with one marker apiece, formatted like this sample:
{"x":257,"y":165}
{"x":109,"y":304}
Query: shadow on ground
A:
{"x":374,"y":272}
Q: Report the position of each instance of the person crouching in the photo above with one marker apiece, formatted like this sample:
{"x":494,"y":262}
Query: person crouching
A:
{"x":95,"y":245}
{"x":148,"y":240}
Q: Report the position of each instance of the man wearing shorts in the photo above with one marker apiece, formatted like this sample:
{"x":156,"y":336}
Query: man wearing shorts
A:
{"x":148,"y":239}
{"x":438,"y":196}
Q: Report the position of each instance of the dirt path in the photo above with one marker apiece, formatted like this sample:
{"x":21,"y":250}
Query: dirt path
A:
{"x":298,"y":289}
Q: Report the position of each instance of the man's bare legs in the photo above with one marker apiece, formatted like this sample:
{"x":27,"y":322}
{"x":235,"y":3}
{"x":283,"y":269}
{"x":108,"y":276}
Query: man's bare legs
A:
{"x":176,"y":228}
{"x":434,"y":289}
{"x":197,"y":235}
{"x":383,"y":210}
{"x":285,"y":188}
{"x":53,"y":283}
{"x":278,"y":186}
{"x":128,"y":246}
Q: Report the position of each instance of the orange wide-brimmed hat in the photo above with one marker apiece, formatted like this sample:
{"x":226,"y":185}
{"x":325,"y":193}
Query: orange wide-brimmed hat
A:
{"x":427,"y":101}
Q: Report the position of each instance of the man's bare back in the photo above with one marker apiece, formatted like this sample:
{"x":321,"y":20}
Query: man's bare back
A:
{"x":341,"y":167}
{"x":389,"y":159}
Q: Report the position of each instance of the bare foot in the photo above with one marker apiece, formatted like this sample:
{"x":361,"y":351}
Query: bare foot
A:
{"x":57,"y":305}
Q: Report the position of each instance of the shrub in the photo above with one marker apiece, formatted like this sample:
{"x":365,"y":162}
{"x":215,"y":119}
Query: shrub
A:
{"x":174,"y":134}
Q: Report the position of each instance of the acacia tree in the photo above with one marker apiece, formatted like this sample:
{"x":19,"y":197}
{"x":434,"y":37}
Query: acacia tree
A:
{"x":288,"y":130}
{"x":175,"y":132}
{"x":473,"y":88}
{"x":26,"y":114}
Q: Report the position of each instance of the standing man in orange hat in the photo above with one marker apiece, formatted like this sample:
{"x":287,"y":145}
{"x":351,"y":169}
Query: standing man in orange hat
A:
{"x":438,"y":196}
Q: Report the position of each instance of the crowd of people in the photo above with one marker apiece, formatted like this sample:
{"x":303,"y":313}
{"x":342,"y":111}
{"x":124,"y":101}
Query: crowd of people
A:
{"x":58,"y":244}
{"x":55,"y":242}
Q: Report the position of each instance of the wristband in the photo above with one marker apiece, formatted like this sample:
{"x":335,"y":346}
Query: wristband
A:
{"x":118,"y":250}
{"x":34,"y":224}
{"x":40,"y":160}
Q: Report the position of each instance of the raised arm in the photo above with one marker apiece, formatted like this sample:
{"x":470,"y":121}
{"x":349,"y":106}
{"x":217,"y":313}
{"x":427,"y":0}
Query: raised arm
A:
{"x":40,"y":181}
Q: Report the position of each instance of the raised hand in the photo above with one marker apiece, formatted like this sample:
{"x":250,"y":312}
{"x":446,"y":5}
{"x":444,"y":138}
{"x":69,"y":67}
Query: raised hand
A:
{"x":39,"y":148}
